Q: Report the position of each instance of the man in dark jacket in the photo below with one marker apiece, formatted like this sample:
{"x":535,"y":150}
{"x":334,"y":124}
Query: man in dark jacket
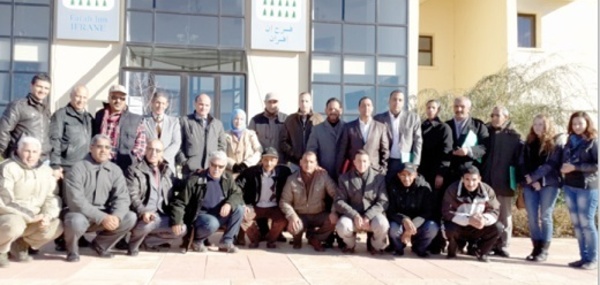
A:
{"x":201,"y":134}
{"x":470,"y":211}
{"x":262,"y":186}
{"x":469,"y":140}
{"x":70,"y":136}
{"x":297,"y":129}
{"x":410,"y":212}
{"x":125,"y":129}
{"x":404,"y":134}
{"x":502,"y":158}
{"x":210,"y":200}
{"x":151,"y":185}
{"x":325,"y":138}
{"x":97,"y":197}
{"x":29,"y":116}
{"x":268,"y":125}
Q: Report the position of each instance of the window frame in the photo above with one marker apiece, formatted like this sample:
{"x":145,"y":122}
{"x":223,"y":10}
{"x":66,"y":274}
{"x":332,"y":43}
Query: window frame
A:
{"x":533,"y":19}
{"x":429,"y":51}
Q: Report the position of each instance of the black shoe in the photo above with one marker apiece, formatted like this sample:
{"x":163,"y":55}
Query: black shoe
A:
{"x":122,"y":245}
{"x":281,"y":238}
{"x":82,"y":242}
{"x":576,"y":264}
{"x":422,"y":254}
{"x":399,"y":252}
{"x":472,"y":249}
{"x":72,"y":257}
{"x":99,"y":251}
{"x":133,"y":252}
{"x":33,"y":251}
{"x":502,"y":253}
{"x":207,"y":243}
{"x":60,"y":247}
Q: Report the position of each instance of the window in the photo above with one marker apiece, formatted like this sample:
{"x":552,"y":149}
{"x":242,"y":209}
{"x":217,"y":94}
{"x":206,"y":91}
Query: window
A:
{"x":24,"y":46}
{"x":359,"y":48}
{"x":426,"y":50}
{"x":526,"y":30}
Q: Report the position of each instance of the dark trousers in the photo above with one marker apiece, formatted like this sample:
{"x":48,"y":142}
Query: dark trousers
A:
{"x":485,"y":238}
{"x":317,"y":226}
{"x":278,"y":223}
{"x":76,"y":225}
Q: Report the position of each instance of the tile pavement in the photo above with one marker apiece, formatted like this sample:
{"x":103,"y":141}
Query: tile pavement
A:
{"x":285,"y":265}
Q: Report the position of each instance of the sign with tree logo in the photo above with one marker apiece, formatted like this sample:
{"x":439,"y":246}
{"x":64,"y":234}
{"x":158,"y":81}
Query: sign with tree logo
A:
{"x":279,"y":25}
{"x":95,"y":20}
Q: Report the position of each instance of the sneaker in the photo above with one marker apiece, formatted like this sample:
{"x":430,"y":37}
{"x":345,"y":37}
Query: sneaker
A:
{"x":19,"y":250}
{"x":576,"y":264}
{"x":199,"y":246}
{"x":4,"y":259}
{"x":592,"y":265}
{"x":228,"y":248}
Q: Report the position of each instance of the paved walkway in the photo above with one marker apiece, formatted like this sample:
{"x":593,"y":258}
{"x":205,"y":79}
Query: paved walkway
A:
{"x":285,"y":265}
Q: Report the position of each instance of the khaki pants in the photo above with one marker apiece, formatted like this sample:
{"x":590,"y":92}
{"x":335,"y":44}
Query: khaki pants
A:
{"x":13,"y":227}
{"x":379,"y":226}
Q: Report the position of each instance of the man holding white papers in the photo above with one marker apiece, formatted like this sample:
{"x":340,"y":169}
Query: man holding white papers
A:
{"x":499,"y":170}
{"x":404,"y":134}
{"x":469,"y":140}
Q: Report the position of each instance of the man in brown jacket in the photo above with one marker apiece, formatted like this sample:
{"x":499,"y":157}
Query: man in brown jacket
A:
{"x":303,"y":203}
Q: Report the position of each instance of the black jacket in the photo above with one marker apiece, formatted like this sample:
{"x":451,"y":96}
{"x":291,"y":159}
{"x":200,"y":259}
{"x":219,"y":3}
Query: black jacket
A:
{"x":585,"y":159}
{"x":187,"y":203}
{"x":411,"y":202}
{"x":128,"y":125}
{"x":139,"y":185}
{"x":547,"y":173}
{"x":293,"y":138}
{"x":459,"y":163}
{"x":250,"y":181}
{"x":503,"y":151}
{"x":23,"y":117}
{"x":70,"y":136}
{"x":437,"y":149}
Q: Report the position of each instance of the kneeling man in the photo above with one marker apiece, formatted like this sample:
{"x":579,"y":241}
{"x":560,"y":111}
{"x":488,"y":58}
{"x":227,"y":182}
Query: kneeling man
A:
{"x":29,"y":203}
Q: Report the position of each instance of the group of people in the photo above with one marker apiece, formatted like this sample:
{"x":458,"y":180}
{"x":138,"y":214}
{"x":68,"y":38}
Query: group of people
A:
{"x":147,"y":182}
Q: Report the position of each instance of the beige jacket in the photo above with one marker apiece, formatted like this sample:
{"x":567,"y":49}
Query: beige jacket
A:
{"x":298,"y":199}
{"x":247,"y":149}
{"x":28,"y":191}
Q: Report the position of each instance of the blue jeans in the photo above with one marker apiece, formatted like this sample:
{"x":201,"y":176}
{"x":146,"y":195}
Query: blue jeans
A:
{"x":540,"y":206}
{"x":583,"y":204}
{"x":420,"y":241}
{"x":207,"y":223}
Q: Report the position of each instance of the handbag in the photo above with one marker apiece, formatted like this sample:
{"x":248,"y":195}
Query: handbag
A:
{"x":520,"y":198}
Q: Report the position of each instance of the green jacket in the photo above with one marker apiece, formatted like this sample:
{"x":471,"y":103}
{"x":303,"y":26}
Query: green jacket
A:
{"x":187,"y":203}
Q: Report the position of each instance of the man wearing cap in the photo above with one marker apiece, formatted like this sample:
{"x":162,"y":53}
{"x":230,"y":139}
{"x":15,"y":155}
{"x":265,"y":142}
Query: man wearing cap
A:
{"x":297,"y":129}
{"x":262,"y":185}
{"x":125,"y":129}
{"x":303,"y":203}
{"x":210,"y":200}
{"x":201,"y":134}
{"x":29,"y":116}
{"x":470,"y":212}
{"x":410,"y":211}
{"x":269,"y":123}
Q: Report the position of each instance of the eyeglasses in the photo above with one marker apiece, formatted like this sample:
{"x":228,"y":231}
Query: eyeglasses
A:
{"x":217,"y":165}
{"x":103,"y":146}
{"x":156,"y":150}
{"x":494,"y":115}
{"x":116,"y":97}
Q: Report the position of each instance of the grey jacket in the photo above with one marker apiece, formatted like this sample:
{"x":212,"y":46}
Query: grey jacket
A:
{"x":23,"y":117}
{"x":410,"y":140}
{"x":352,"y":200}
{"x":377,"y":145}
{"x":324,"y":140}
{"x":170,"y":136}
{"x":96,"y":190}
{"x":70,"y":136}
{"x":268,"y":129}
{"x":198,"y":142}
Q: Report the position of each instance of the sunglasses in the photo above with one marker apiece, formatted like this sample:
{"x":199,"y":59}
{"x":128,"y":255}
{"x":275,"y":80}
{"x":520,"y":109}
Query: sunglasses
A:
{"x":217,"y":165}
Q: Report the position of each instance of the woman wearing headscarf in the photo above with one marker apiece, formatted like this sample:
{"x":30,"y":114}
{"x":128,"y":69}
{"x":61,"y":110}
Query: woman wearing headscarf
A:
{"x":243,"y":148}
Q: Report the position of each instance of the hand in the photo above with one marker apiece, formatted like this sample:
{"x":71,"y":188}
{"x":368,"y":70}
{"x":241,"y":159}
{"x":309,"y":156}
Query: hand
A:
{"x":528,"y":179}
{"x":225,"y":210}
{"x":476,"y":221}
{"x":358,"y":222}
{"x":333,"y":218}
{"x":405,"y":238}
{"x":45,"y":222}
{"x":177,"y":229}
{"x":366,"y":224}
{"x":247,"y":216}
{"x":148,"y":217}
{"x":536,"y":185}
{"x":295,"y":224}
{"x":460,"y":151}
{"x":567,"y":168}
{"x":439,"y":181}
{"x":110,"y":222}
{"x":37,"y":218}
{"x":409,"y":227}
{"x":57,"y":173}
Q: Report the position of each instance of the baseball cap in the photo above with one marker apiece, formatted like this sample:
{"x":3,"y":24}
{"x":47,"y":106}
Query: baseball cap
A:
{"x":411,"y":168}
{"x":270,"y":151}
{"x":271,"y":96}
{"x":118,"y":88}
